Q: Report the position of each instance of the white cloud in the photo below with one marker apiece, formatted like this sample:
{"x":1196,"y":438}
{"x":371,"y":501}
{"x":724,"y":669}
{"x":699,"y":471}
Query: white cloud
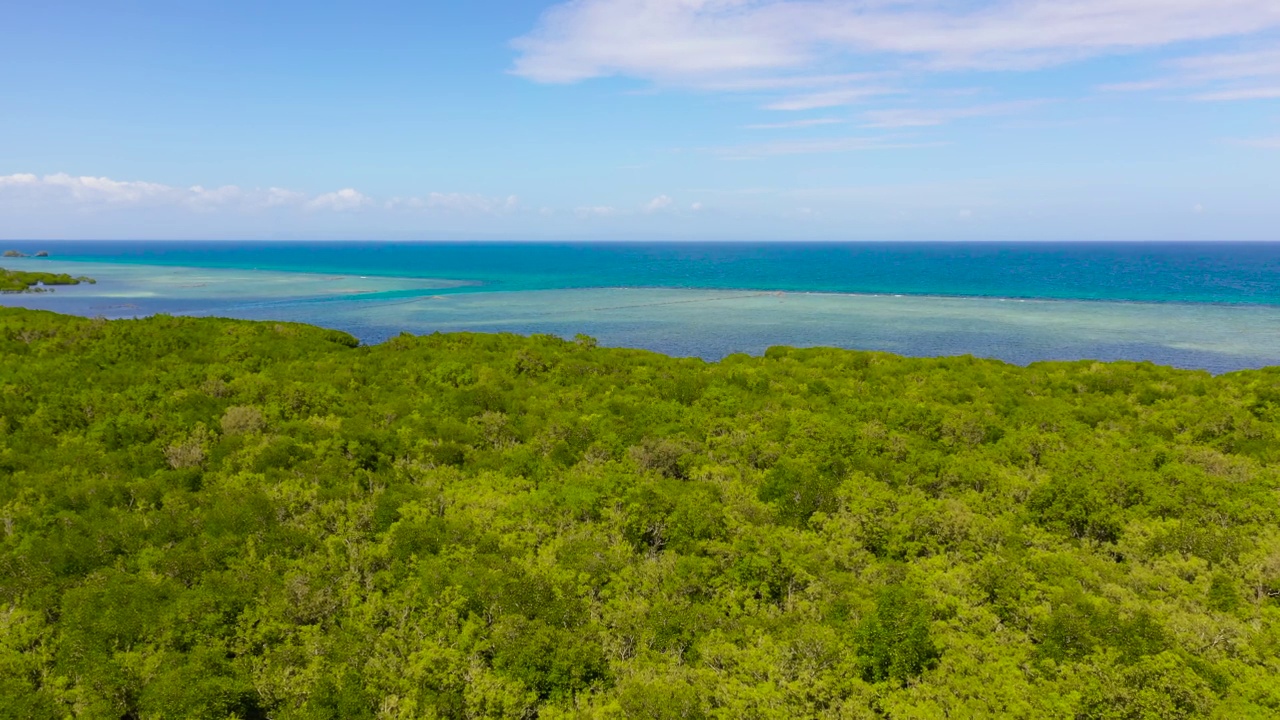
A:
{"x":658,"y":204}
{"x":18,"y":180}
{"x":595,"y":211}
{"x":705,"y":42}
{"x":207,"y":200}
{"x":813,"y":54}
{"x":98,"y":190}
{"x":462,"y":202}
{"x":343,"y":200}
{"x":666,"y":39}
{"x":696,"y":207}
{"x":108,"y":190}
{"x":459,"y":203}
{"x":275,"y":197}
{"x":89,"y":193}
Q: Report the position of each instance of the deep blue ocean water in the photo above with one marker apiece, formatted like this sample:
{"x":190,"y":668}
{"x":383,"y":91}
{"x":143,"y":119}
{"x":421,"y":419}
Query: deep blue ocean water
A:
{"x":1143,"y":272}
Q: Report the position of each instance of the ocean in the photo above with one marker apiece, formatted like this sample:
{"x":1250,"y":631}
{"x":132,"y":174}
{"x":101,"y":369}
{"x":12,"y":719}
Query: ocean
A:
{"x":1211,"y":306}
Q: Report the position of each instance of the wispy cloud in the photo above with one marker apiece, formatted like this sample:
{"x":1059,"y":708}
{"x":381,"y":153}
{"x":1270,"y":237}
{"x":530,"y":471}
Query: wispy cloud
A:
{"x":812,"y":147}
{"x":595,"y":211}
{"x":815,"y":55}
{"x":793,"y":124}
{"x":1250,"y":93}
{"x":791,"y":82}
{"x":828,"y":98}
{"x":1140,"y":85}
{"x":1230,"y":66}
{"x":929,"y":117}
{"x":703,"y":42}
{"x":1216,"y":77}
{"x":1267,"y":143}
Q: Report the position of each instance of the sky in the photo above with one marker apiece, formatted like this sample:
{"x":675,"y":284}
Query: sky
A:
{"x":641,"y":120}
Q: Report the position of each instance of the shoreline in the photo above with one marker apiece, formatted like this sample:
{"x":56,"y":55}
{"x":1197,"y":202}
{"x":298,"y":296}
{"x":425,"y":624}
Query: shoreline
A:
{"x":667,"y":355}
{"x":452,"y":286}
{"x":690,"y":322}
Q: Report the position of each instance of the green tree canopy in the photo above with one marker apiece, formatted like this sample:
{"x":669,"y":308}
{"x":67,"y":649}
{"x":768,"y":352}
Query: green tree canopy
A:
{"x":205,"y":518}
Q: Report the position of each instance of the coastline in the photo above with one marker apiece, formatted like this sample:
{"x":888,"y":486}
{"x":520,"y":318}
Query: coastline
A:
{"x":1197,"y":273}
{"x":453,"y":285}
{"x":706,"y":323}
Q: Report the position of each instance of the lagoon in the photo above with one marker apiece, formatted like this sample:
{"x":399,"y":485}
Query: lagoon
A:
{"x":1213,"y":308}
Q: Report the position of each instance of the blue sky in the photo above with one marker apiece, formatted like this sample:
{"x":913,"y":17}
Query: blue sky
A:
{"x":642,"y":119}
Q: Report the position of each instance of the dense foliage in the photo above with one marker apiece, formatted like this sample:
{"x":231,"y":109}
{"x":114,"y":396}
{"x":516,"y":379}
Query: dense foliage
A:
{"x":21,"y":281}
{"x":209,"y":519}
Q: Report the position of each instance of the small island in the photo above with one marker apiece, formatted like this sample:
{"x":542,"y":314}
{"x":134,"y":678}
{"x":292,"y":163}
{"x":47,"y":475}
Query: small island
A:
{"x":14,"y":254}
{"x":17,"y":281}
{"x":42,"y":253}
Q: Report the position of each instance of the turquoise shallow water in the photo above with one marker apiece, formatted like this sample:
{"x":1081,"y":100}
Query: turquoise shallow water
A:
{"x":1215,"y":307}
{"x":1148,"y":272}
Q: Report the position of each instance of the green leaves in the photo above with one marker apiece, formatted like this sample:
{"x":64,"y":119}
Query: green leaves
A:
{"x":1080,"y":625}
{"x":1076,"y":506}
{"x":799,"y":489}
{"x":213,"y":519}
{"x":894,"y":641}
{"x":554,"y":662}
{"x":20,"y":281}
